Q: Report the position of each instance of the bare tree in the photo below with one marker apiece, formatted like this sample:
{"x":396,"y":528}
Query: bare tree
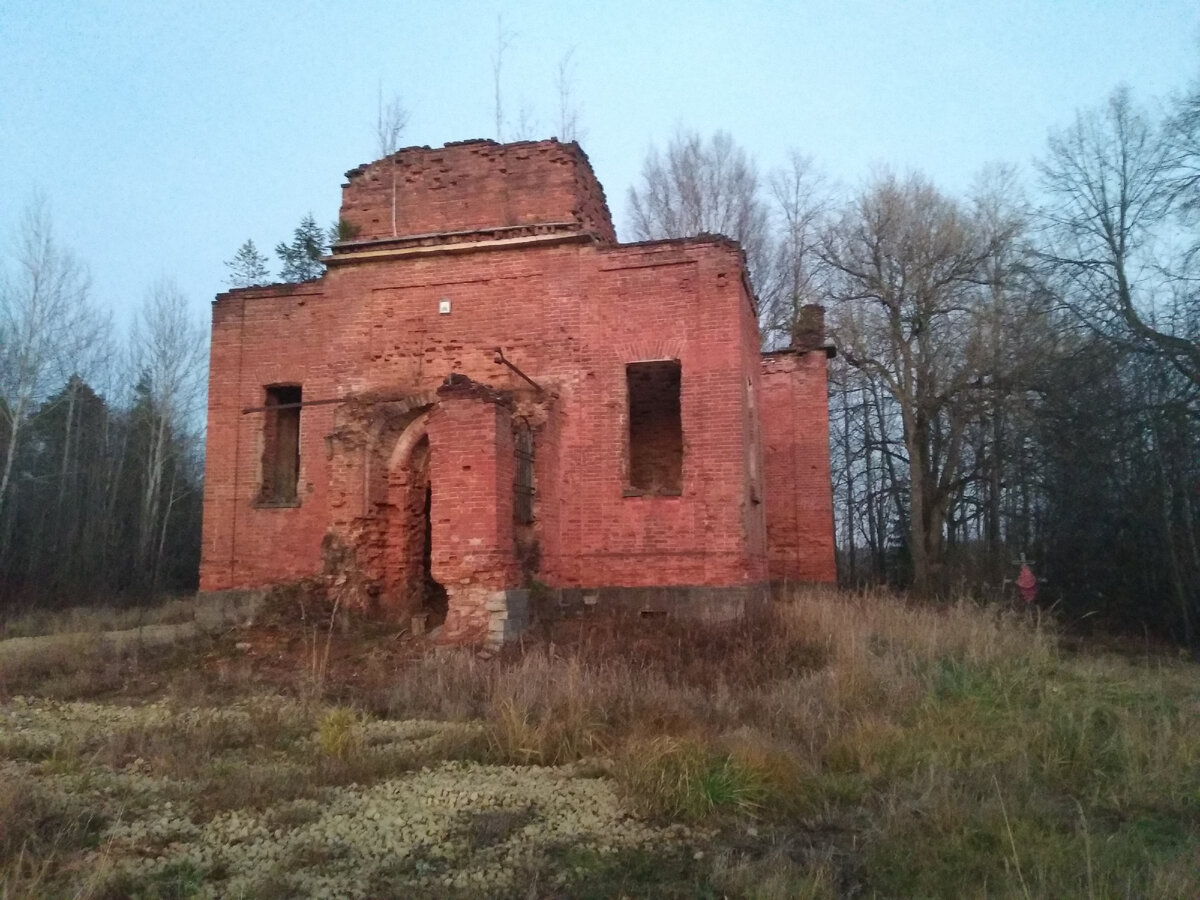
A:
{"x":503,"y":39}
{"x":391,"y":119}
{"x":48,"y":330}
{"x":1017,"y":336}
{"x":795,"y":276}
{"x":1121,"y":250}
{"x":702,"y":187}
{"x":907,"y":265}
{"x":390,"y":122}
{"x":1183,"y":145}
{"x":527,"y":125}
{"x":1112,"y":180}
{"x":568,"y":108}
{"x":169,"y":354}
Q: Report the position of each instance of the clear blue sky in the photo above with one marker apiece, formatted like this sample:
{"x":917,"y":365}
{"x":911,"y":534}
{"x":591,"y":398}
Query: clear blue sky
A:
{"x":164,"y":134}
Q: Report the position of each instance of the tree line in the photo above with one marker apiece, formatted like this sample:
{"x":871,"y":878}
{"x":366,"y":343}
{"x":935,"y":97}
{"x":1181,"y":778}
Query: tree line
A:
{"x":1018,"y":376}
{"x":102,"y":438}
{"x":101,"y":457}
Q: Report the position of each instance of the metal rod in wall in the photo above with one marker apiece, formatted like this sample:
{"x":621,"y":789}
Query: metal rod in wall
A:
{"x":499,"y":358}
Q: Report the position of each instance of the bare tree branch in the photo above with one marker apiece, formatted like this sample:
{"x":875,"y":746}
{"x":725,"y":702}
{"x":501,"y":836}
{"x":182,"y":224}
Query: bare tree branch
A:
{"x":702,"y":187}
{"x":390,"y":121}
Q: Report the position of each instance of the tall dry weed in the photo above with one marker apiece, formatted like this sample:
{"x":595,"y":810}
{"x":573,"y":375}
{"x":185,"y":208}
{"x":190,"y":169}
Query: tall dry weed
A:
{"x":67,"y":666}
{"x":40,"y":832}
{"x":450,"y":685}
{"x":815,"y":669}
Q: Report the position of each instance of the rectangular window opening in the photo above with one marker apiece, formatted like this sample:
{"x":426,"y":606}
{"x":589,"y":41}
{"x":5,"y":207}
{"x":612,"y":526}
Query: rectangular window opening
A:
{"x":523,"y":489}
{"x":281,"y":444}
{"x":655,"y":427}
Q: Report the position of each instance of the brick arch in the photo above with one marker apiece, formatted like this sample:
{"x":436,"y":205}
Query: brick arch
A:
{"x":650,"y":347}
{"x":387,"y":440}
{"x":405,"y":520}
{"x":412,"y":434}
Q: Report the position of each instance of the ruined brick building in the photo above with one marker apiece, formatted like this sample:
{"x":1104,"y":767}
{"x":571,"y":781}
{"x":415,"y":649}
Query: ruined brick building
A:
{"x":487,"y":391}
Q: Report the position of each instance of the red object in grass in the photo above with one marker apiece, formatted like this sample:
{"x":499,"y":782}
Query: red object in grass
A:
{"x":1027,"y":584}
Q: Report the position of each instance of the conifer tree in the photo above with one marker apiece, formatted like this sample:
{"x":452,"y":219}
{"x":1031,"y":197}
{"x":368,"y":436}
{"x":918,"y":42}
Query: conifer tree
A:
{"x":302,"y":257}
{"x":248,"y":268}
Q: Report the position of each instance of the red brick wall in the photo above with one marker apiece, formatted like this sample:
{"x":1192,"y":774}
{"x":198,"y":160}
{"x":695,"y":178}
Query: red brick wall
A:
{"x":753,"y":507}
{"x":571,"y":314}
{"x":659,"y":301}
{"x":475,"y":185}
{"x":262,"y":337}
{"x":572,"y":317}
{"x":799,"y":492}
{"x":471,"y":442}
{"x":471,"y":447}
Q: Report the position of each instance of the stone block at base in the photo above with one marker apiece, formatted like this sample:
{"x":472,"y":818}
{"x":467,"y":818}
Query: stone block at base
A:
{"x":485,"y":616}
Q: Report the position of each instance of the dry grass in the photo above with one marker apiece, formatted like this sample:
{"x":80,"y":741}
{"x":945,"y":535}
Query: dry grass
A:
{"x":842,"y":745}
{"x":39,"y":833}
{"x":819,"y":674}
{"x":73,"y":666}
{"x":95,"y":619}
{"x":777,"y":872}
{"x":340,"y":733}
{"x":940,"y":750}
{"x":184,"y":740}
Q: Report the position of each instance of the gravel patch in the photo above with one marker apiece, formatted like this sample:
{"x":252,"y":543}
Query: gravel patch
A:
{"x":449,"y":828}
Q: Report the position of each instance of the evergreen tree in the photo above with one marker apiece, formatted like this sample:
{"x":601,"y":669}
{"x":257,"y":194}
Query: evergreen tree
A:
{"x":302,"y":257}
{"x":339,"y":231}
{"x":248,"y":268}
{"x":60,"y":542}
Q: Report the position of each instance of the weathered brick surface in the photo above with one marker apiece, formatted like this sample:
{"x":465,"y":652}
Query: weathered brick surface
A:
{"x":799,"y":492}
{"x":475,"y":185}
{"x":571,"y":309}
{"x":471,"y":442}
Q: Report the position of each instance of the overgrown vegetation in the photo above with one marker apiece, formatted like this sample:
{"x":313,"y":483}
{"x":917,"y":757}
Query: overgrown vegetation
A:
{"x":843,"y":745}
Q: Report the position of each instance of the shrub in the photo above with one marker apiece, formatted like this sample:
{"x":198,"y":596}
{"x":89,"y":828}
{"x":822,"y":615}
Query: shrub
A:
{"x":340,"y":734}
{"x":687,"y":780}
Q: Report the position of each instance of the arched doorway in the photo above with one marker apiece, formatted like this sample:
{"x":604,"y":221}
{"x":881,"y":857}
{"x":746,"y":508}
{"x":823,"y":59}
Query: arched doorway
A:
{"x":411,"y":587}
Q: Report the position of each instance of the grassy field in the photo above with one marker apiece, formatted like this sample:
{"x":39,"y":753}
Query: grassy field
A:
{"x":844,"y":746}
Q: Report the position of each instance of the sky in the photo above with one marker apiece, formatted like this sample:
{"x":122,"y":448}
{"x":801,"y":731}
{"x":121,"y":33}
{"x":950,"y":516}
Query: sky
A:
{"x":164,"y":134}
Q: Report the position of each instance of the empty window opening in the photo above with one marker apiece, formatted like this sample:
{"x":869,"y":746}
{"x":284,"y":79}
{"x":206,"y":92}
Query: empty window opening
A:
{"x":523,"y":476}
{"x":655,"y":427}
{"x":281,"y":444}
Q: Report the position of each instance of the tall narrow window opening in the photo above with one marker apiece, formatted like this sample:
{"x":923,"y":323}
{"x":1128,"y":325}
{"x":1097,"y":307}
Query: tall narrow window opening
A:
{"x":523,"y":476}
{"x":655,"y":427}
{"x":281,"y":444}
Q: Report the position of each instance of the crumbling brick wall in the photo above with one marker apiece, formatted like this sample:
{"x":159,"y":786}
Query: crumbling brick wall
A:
{"x":474,"y":185}
{"x":372,"y":342}
{"x":263,"y":336}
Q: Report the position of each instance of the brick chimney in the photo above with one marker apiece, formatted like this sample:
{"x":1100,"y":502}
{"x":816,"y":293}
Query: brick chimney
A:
{"x":808,"y":330}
